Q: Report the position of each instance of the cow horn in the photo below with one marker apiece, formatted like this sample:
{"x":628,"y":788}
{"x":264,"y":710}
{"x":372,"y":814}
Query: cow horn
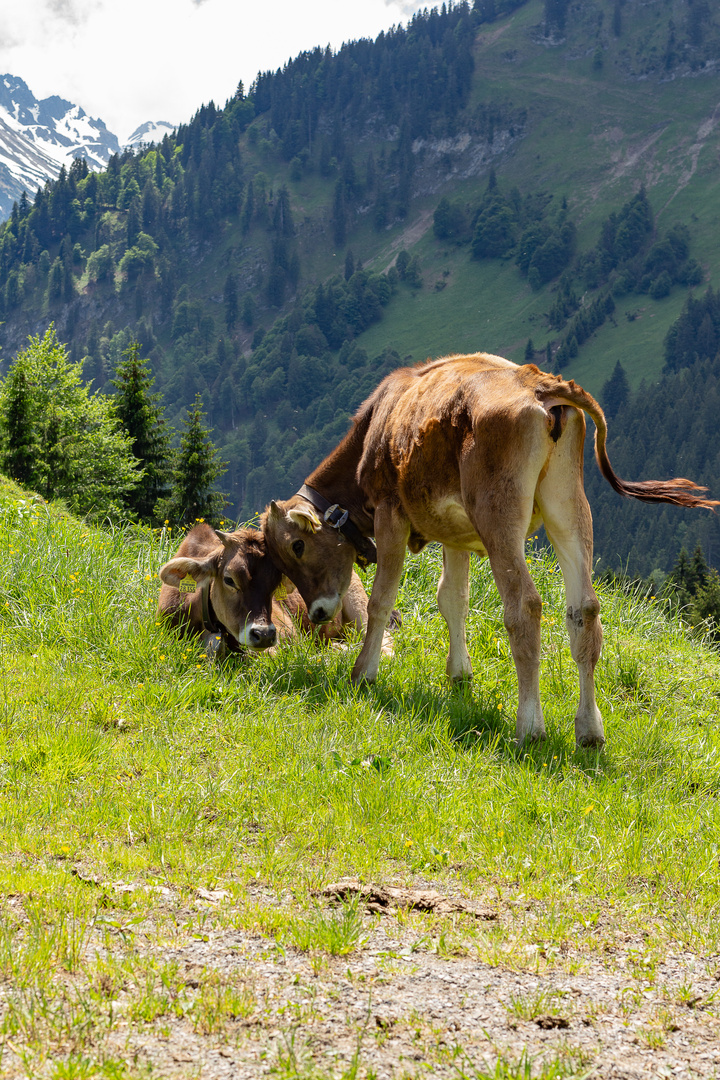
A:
{"x":226,"y":539}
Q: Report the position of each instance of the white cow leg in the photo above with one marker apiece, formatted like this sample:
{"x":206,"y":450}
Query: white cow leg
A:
{"x":522,"y":613}
{"x":392,"y":532}
{"x":355,"y":613}
{"x":452,"y":597}
{"x":582,"y":618}
{"x":571,"y":536}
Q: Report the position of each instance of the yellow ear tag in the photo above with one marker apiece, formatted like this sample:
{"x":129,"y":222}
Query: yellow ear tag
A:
{"x":187,"y":584}
{"x":284,"y":589}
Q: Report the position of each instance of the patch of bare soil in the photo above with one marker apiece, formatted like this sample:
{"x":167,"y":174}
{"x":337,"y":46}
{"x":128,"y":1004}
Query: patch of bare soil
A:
{"x":403,"y":1006}
{"x":628,"y":161}
{"x":491,"y":36}
{"x":402,"y":1013}
{"x":409,"y":236}
{"x":693,"y":153}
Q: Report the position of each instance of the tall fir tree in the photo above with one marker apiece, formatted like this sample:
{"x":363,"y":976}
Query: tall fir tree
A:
{"x":19,"y":442}
{"x":339,"y":216}
{"x":615,"y":392}
{"x":141,"y":415}
{"x":196,"y":466}
{"x":693,"y":587}
{"x":230,"y":299}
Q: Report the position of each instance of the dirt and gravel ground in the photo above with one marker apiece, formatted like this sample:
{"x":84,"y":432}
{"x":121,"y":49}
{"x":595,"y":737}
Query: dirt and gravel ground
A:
{"x":419,"y":1014}
{"x":403,"y":1005}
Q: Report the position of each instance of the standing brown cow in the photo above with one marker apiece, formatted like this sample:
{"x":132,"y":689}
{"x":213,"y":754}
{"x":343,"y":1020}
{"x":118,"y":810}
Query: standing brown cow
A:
{"x":474,"y":452}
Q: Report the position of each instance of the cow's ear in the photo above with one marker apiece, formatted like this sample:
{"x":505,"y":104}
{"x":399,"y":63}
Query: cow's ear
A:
{"x":305,"y":518}
{"x":181,"y":567}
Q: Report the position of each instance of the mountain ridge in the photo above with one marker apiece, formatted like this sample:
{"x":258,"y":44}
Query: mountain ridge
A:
{"x":39,"y":137}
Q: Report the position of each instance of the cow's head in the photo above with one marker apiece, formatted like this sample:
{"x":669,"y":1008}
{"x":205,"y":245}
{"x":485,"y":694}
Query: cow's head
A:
{"x":313,"y":554}
{"x":241,"y":578}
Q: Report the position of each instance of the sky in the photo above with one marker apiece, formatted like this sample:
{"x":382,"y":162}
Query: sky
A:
{"x":128,"y":61}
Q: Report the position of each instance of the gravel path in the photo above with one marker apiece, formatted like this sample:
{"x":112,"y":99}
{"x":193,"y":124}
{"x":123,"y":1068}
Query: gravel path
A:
{"x":405,"y":1013}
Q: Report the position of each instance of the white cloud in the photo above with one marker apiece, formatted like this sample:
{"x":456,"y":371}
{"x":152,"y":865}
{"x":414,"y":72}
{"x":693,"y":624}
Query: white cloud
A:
{"x":161,"y":59}
{"x":406,"y":8}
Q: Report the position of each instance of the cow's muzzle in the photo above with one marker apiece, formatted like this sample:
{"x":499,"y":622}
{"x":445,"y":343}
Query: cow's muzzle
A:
{"x":260,"y":636}
{"x":324,"y":609}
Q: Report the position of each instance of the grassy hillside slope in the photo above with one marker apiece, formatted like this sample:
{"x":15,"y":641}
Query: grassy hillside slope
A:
{"x":166,"y":823}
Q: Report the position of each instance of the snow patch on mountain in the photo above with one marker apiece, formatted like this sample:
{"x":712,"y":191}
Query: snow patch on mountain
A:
{"x":38,"y":138}
{"x":152,"y":131}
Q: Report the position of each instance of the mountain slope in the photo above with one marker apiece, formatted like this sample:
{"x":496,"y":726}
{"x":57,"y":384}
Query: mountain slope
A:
{"x":152,"y":131}
{"x":252,"y":251}
{"x":38,"y":137}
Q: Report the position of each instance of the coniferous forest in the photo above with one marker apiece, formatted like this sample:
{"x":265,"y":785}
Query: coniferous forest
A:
{"x":425,"y":192}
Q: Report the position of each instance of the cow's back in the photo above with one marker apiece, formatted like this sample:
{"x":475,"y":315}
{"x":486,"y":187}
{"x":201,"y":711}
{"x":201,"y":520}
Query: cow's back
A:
{"x":419,"y":420}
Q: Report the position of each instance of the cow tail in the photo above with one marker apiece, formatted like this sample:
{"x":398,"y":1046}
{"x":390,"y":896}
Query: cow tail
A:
{"x":679,"y":491}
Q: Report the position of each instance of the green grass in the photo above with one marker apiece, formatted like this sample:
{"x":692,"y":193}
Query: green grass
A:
{"x":133,"y":773}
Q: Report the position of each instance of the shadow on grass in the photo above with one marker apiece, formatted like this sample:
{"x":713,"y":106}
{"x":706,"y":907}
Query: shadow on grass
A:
{"x":467,"y":713}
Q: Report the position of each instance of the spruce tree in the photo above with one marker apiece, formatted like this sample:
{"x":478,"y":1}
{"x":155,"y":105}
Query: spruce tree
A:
{"x":19,"y":443}
{"x":79,"y":451}
{"x":698,"y":572}
{"x":248,"y":210}
{"x":706,"y":605}
{"x":694,"y":588}
{"x":615,"y":392}
{"x":248,"y":311}
{"x":196,"y":466}
{"x":339,"y":216}
{"x":141,"y":415}
{"x":230,"y":299}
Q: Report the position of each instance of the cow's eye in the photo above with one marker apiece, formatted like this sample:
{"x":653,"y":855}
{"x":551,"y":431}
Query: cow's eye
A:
{"x":299,"y":547}
{"x":229,"y":581}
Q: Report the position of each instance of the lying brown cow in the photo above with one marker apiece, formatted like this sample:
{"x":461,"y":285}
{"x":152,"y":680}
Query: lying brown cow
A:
{"x":476,"y":453}
{"x":220,"y":586}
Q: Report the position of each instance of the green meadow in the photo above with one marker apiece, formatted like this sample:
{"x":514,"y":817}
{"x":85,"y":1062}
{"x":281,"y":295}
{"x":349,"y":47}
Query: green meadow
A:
{"x":137,"y":777}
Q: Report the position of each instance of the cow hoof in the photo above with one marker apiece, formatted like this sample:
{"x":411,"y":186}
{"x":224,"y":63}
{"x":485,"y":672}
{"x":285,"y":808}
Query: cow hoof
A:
{"x":531,"y":739}
{"x":360,"y":678}
{"x":590,"y":742}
